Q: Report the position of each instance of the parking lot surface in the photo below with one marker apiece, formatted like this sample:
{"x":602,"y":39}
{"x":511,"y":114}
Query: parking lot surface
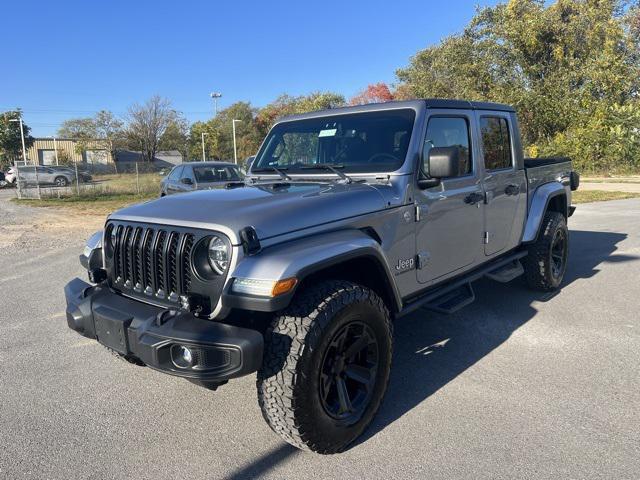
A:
{"x":517,"y":385}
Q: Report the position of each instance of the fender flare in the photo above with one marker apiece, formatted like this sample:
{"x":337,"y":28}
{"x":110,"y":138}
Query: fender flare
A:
{"x":539,"y":204}
{"x":300,"y":258}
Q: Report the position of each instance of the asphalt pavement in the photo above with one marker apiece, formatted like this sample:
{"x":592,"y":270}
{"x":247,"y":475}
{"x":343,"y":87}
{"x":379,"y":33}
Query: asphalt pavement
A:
{"x":517,"y":385}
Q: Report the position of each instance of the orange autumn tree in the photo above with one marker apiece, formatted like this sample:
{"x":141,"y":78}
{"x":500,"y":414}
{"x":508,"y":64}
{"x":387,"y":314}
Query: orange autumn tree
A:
{"x":374,"y":93}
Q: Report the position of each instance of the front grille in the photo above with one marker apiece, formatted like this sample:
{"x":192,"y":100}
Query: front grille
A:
{"x":151,"y":261}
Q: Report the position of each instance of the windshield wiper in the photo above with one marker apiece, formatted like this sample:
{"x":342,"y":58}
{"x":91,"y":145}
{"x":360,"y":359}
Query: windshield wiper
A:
{"x":279,"y":171}
{"x":328,"y":166}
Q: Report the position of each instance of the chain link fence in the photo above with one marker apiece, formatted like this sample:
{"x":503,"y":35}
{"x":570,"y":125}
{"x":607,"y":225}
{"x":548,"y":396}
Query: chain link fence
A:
{"x":86,"y":180}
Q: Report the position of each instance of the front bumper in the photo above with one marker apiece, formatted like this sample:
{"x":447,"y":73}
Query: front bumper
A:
{"x":153,"y":334}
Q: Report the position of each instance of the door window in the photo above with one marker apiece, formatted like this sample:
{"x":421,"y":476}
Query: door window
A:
{"x":496,"y":143}
{"x":448,"y":132}
{"x":174,"y":176}
{"x":187,"y":172}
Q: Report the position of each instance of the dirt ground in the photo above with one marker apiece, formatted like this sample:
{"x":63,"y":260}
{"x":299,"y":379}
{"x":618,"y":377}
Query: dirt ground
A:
{"x":29,"y":228}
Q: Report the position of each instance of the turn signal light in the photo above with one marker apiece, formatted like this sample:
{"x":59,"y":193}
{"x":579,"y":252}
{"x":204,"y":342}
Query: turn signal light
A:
{"x":283,"y":286}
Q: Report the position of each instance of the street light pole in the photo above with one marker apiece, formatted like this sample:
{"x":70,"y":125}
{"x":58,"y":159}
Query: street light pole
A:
{"x":235,"y":151}
{"x":215,"y":96}
{"x":24,"y":158}
{"x":55,"y":149}
{"x":203,"y":156}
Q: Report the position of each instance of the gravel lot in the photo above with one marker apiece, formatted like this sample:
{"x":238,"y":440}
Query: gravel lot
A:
{"x":516,"y":385}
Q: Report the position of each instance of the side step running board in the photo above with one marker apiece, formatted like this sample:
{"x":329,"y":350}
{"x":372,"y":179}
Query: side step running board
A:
{"x":507,"y":272}
{"x":452,"y":301}
{"x":437,"y":297}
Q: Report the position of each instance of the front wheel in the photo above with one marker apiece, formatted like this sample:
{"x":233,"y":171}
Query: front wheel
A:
{"x":546,"y":262}
{"x":326,"y":366}
{"x":61,"y":182}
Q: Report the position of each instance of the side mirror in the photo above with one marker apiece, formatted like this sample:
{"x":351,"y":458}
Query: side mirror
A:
{"x":444,"y":162}
{"x":186,"y":181}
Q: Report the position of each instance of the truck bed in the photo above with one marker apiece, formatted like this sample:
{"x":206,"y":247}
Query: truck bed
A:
{"x":542,"y":161}
{"x":543,"y":170}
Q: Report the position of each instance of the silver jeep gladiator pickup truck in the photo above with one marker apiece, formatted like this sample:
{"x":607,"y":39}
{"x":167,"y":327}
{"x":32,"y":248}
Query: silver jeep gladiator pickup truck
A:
{"x":348,"y":219}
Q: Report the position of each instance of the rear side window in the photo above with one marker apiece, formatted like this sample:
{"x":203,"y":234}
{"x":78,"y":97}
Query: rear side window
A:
{"x":448,"y":132}
{"x":175,"y":174}
{"x":496,"y":143}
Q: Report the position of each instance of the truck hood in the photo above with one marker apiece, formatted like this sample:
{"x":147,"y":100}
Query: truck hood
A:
{"x":272,"y":209}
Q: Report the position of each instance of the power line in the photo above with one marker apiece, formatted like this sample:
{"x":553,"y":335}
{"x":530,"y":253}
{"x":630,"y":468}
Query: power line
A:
{"x":62,"y":111}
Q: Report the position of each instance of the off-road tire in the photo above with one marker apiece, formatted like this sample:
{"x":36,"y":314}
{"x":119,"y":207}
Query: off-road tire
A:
{"x":538,"y":268}
{"x":295,"y":344}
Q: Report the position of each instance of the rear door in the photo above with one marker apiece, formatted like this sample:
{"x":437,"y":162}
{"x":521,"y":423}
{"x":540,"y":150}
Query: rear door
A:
{"x":449,"y":231}
{"x":504,"y":183}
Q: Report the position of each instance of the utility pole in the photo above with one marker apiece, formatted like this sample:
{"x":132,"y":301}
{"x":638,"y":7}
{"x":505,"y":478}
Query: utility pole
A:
{"x":235,"y":151}
{"x":215,"y":96}
{"x":203,"y":156}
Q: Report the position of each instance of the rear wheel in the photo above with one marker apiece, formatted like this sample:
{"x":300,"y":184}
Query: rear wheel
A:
{"x":326,"y":366}
{"x":546,"y":262}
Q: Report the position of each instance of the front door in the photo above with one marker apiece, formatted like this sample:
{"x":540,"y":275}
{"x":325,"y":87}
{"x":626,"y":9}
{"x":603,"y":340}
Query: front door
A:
{"x":173,"y":180}
{"x":504,"y":183}
{"x":449,"y":230}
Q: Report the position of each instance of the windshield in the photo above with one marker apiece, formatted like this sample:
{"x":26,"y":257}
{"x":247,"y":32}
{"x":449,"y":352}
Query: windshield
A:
{"x":220,"y":173}
{"x":358,"y":142}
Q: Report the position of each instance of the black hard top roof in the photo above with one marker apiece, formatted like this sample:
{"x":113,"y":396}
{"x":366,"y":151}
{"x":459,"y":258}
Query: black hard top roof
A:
{"x":416,"y":104}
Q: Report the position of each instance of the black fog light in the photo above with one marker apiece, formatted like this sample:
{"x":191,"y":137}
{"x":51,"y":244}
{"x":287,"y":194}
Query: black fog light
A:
{"x":182,"y":356}
{"x":97,"y":275}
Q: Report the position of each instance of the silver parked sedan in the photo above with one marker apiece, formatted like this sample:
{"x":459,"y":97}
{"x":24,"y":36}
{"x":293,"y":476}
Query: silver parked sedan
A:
{"x":32,"y":175}
{"x":191,"y":176}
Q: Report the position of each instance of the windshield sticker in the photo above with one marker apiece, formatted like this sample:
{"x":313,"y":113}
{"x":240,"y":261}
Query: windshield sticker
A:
{"x":331,"y":132}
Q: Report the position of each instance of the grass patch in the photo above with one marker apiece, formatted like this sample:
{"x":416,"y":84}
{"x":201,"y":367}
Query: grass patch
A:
{"x":126,"y":183}
{"x":586,"y":196}
{"x":98,"y":204}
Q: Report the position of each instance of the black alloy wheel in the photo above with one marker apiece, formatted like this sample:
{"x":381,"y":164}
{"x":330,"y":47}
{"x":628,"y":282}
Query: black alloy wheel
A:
{"x":348,"y":372}
{"x":558,"y":253}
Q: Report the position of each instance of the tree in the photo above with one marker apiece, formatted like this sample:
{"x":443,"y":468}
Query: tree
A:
{"x":176,"y":136}
{"x":566,"y":67}
{"x":147,"y":123}
{"x":10,"y":137}
{"x":219,"y":134}
{"x":374,"y":93}
{"x":78,"y":129}
{"x":289,"y":105}
{"x":103,"y":131}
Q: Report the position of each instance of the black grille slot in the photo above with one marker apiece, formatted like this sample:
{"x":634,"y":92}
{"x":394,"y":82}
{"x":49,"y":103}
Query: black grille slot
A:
{"x":172,"y":262}
{"x":126,"y":240}
{"x":159,"y":258}
{"x":154,"y":262}
{"x":147,"y":275}
{"x":186,"y":268}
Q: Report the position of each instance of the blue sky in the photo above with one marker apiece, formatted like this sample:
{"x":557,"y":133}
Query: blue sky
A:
{"x":68,"y":59}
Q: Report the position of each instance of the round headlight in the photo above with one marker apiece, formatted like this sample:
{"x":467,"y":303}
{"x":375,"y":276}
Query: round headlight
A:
{"x":218,"y":254}
{"x":113,"y":237}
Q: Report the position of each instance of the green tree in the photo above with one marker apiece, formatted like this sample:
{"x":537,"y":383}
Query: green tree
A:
{"x":102,"y":131}
{"x":571,"y":68}
{"x":176,"y":135}
{"x":10,"y":137}
{"x":219,"y":134}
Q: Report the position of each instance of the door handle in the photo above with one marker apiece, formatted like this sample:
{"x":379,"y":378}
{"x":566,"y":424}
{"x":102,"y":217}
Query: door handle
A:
{"x":512,"y":189}
{"x":473,"y":198}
